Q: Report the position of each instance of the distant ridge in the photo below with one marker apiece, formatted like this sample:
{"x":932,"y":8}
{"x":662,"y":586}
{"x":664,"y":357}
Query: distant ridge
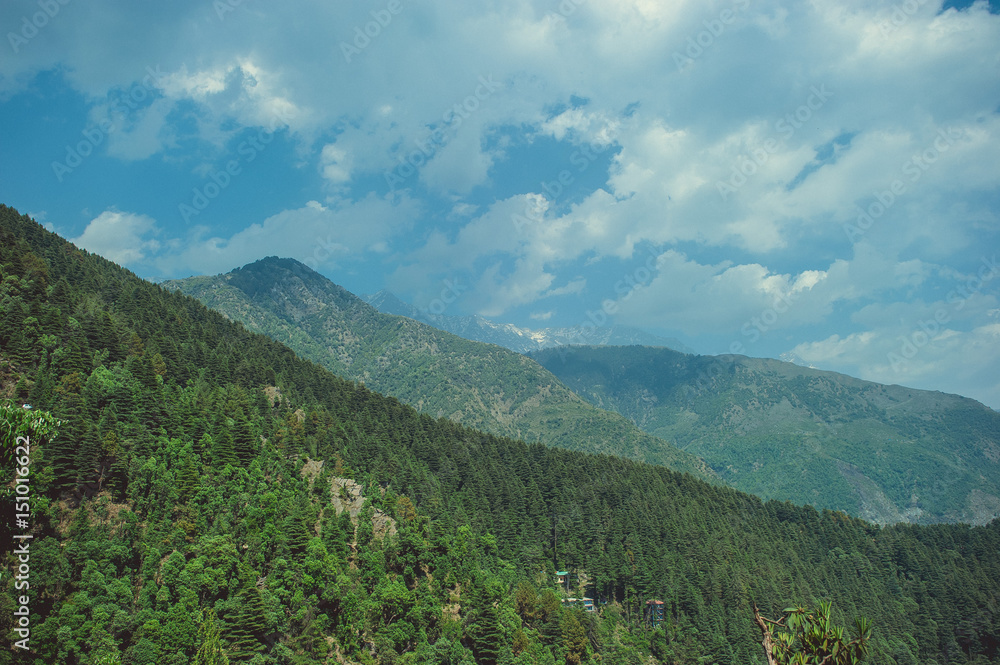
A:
{"x":778,"y":430}
{"x":522,"y":340}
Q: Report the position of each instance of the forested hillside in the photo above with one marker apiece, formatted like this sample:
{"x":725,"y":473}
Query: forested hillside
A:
{"x":479,"y":385}
{"x":778,"y":430}
{"x":186,"y":512}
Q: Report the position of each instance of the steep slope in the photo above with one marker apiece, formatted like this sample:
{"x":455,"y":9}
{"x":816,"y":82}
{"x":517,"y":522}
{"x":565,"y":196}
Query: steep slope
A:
{"x":188,"y":504}
{"x":515,"y":338}
{"x":884,"y":453}
{"x":479,"y":385}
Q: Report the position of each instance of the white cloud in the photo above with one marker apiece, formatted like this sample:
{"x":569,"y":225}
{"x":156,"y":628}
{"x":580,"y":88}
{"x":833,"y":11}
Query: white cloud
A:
{"x":525,"y":284}
{"x":946,"y":359}
{"x":335,"y":164}
{"x":147,"y":135}
{"x":750,"y":300}
{"x":316,"y":234}
{"x":122,"y":237}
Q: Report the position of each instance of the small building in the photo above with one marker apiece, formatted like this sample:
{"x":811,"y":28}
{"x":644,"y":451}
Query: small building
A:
{"x":654,"y":612}
{"x":562,"y":577}
{"x":587,"y":604}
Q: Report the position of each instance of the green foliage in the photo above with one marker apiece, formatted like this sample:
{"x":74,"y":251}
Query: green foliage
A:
{"x":18,"y":421}
{"x":210,"y":652}
{"x":811,"y":638}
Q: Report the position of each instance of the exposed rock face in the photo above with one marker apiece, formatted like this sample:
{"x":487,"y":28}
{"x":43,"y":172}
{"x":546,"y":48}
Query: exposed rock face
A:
{"x":346,"y":495}
{"x":383,"y":525}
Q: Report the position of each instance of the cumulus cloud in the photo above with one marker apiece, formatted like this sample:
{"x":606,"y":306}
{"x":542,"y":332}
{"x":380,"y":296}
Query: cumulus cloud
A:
{"x":926,"y":357}
{"x":123,"y":237}
{"x":318,"y":235}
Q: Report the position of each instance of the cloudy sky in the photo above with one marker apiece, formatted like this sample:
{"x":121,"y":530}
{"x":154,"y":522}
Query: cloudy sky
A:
{"x":816,"y":181}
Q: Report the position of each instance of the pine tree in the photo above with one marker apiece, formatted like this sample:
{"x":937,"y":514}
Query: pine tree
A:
{"x":21,"y":390}
{"x":336,"y":539}
{"x":248,"y":628}
{"x":205,"y":446}
{"x":41,"y":392}
{"x":243,"y":439}
{"x":296,"y":533}
{"x":188,"y":477}
{"x":574,"y":638}
{"x":483,"y":622}
{"x":210,"y":652}
{"x":88,"y":456}
{"x":222,"y":450}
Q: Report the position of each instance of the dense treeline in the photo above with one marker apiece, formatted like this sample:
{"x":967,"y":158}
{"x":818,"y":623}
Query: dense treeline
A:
{"x":177,"y":516}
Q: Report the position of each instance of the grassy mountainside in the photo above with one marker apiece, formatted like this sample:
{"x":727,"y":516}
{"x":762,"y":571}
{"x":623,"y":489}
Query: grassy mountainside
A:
{"x":777,"y":430}
{"x":188,"y":505}
{"x":479,"y":385}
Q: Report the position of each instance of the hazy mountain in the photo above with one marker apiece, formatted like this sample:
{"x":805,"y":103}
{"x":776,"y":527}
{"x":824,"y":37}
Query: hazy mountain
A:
{"x":778,"y":430}
{"x":522,"y":340}
{"x":479,"y":385}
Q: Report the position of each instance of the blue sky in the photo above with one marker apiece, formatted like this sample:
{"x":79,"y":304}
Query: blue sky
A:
{"x":814,"y":181}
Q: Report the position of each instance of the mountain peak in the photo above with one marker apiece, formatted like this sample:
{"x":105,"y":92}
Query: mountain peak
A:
{"x":283,"y":276}
{"x":277,"y":263}
{"x":388,"y":302}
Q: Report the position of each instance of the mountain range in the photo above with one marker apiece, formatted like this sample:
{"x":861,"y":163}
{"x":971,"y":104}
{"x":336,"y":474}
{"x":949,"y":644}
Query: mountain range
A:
{"x":479,"y":385}
{"x":885,"y":453}
{"x":778,"y":430}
